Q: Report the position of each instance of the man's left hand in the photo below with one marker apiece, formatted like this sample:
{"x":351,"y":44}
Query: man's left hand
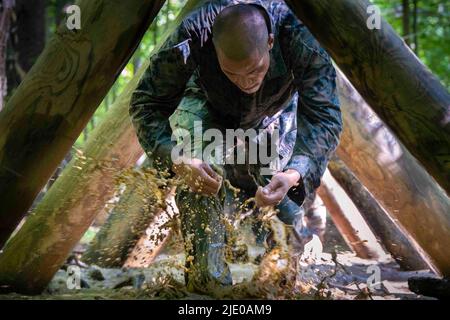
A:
{"x":276,"y":190}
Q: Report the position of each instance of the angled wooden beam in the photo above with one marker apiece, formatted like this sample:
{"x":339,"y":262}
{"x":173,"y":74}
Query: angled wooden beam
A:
{"x":394,"y":177}
{"x":36,"y":252}
{"x":59,"y":95}
{"x":348,"y":220}
{"x":138,"y":206}
{"x":396,"y":240}
{"x":156,"y":237}
{"x":31,"y":258}
{"x":394,"y":82}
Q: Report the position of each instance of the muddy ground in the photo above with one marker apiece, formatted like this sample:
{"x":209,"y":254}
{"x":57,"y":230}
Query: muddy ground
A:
{"x":338,"y":274}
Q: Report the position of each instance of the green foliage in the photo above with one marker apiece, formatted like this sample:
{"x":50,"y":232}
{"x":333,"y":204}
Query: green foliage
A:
{"x":432,"y":31}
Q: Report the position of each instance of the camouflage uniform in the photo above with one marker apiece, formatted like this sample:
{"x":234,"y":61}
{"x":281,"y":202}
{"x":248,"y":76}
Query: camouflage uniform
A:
{"x":298,"y":95}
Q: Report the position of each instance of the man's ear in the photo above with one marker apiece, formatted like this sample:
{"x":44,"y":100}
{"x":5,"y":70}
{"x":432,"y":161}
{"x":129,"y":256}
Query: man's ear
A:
{"x":271,"y":40}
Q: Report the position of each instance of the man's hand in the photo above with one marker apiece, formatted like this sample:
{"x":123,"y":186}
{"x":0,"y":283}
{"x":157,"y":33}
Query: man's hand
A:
{"x":276,"y":190}
{"x":199,"y":176}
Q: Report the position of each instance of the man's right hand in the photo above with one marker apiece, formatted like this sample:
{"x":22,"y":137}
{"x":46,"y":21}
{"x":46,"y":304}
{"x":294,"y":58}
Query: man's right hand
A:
{"x":199,"y":176}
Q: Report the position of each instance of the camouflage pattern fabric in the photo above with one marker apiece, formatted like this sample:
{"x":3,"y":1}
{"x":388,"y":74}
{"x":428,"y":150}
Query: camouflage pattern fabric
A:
{"x":184,"y":82}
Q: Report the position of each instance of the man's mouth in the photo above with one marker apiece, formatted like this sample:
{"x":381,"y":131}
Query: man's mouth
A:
{"x":252,"y":89}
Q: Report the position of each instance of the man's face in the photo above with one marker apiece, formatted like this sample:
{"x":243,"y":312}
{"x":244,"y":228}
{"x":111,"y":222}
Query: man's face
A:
{"x":249,"y":73}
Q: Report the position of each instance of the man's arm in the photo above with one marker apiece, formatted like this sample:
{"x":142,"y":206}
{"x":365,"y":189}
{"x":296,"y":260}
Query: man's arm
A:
{"x":319,"y":121}
{"x":159,"y":93}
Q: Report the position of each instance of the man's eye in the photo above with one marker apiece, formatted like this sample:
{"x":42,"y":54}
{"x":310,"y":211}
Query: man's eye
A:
{"x":257,"y":71}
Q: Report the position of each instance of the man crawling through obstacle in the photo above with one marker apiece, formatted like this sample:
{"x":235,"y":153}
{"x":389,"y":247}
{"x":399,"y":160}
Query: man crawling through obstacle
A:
{"x":239,"y":65}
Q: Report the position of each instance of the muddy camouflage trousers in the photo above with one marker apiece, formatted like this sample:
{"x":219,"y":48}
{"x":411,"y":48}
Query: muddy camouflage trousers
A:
{"x":203,"y":222}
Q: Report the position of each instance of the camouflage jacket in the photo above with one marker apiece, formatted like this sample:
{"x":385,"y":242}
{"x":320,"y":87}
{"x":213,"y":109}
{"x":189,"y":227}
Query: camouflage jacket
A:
{"x":298,"y":64}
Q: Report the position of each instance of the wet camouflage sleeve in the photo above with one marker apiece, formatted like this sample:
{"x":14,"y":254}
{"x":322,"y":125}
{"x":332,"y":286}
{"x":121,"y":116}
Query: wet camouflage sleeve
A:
{"x":159,"y":93}
{"x":318,"y":117}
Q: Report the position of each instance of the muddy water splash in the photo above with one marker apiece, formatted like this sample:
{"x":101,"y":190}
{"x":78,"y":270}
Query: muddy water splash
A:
{"x":275,"y":277}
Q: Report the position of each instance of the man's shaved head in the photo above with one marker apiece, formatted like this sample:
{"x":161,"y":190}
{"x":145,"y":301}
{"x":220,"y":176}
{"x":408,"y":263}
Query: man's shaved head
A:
{"x":242,"y":42}
{"x":239,"y":30}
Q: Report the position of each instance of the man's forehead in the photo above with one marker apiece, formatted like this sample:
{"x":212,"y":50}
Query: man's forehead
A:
{"x":231,"y":66}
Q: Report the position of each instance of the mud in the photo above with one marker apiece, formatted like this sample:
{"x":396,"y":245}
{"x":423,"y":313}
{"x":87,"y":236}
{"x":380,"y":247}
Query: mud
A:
{"x":258,"y":272}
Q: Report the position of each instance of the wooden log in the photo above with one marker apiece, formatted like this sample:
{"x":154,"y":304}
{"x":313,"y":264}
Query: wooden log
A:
{"x":59,"y":95}
{"x":432,"y":287}
{"x":137,"y":208}
{"x":394,"y":82}
{"x":348,"y":220}
{"x":146,"y":251}
{"x":396,"y":240}
{"x":34,"y":254}
{"x":155,"y":239}
{"x":30,"y":258}
{"x":394,"y":177}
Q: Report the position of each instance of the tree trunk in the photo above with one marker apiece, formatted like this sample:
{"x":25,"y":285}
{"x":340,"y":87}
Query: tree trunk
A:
{"x":415,"y":29}
{"x":6,"y":11}
{"x":30,"y":31}
{"x":53,"y":104}
{"x":405,"y":21}
{"x":394,"y":177}
{"x":32,"y":257}
{"x":127,"y":222}
{"x":397,"y":242}
{"x":59,"y":7}
{"x":348,"y":220}
{"x":394,"y":82}
{"x":27,"y":40}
